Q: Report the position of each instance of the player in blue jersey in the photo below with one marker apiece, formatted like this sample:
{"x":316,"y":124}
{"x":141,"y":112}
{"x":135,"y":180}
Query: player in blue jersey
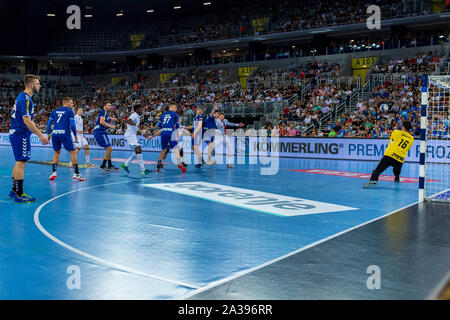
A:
{"x":100,"y":134}
{"x":182,"y":131}
{"x":209,"y":128}
{"x":22,"y":126}
{"x":168,"y":123}
{"x":197,"y":135}
{"x":63,"y":122}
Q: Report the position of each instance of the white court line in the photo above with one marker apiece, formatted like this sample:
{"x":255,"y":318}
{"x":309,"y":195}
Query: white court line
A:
{"x":433,"y":295}
{"x":244,"y":272}
{"x":87,"y":255}
{"x":163,"y":226}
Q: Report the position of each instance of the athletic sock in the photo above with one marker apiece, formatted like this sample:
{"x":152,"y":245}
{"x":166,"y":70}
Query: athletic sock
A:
{"x":88,"y":159}
{"x":19,"y":187}
{"x":130,"y":158}
{"x":109,"y":164}
{"x":141,"y":161}
{"x":75,"y":169}
{"x":104,"y":163}
{"x":55,"y":165}
{"x":13,"y":185}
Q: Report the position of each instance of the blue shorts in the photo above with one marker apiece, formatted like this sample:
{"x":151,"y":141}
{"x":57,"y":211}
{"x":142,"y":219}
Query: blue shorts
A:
{"x":102,"y":139}
{"x":21,"y":145}
{"x":64,"y":140}
{"x":166,"y":140}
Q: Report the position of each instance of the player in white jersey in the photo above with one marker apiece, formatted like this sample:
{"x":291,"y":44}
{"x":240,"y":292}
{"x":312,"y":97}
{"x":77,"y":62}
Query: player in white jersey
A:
{"x":131,"y":137}
{"x":223,"y":139}
{"x":81,"y":142}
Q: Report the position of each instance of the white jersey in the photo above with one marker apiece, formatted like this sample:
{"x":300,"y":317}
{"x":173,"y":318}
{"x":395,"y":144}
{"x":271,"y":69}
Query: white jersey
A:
{"x":79,"y":124}
{"x":133,"y":129}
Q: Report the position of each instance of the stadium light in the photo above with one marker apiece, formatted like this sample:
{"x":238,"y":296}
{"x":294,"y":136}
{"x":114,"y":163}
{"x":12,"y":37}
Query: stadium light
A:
{"x":177,"y":7}
{"x":150,"y":11}
{"x":88,"y":15}
{"x":51,"y":15}
{"x":206,"y":3}
{"x":119,"y":14}
{"x":237,"y":49}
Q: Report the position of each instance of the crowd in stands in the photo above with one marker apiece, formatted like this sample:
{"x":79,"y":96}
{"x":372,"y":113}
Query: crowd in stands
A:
{"x":420,"y":63}
{"x":245,"y":20}
{"x":389,"y":103}
{"x":301,"y":115}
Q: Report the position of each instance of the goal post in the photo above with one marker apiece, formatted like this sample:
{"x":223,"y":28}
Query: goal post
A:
{"x":434,"y":161}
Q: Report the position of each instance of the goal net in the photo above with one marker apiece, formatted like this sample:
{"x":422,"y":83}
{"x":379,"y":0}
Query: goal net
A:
{"x":435,"y":140}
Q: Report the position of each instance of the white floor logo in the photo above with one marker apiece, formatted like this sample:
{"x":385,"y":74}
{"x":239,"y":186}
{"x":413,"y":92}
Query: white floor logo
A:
{"x":250,"y":199}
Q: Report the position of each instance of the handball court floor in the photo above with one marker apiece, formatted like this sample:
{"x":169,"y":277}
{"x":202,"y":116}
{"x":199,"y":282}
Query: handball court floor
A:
{"x":131,"y":241}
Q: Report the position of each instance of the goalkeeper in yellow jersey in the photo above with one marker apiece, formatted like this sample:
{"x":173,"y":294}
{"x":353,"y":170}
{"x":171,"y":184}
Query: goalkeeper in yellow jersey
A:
{"x":399,"y":144}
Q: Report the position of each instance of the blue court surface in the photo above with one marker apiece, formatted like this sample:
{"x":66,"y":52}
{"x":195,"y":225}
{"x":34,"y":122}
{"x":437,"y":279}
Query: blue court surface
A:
{"x":128,"y":240}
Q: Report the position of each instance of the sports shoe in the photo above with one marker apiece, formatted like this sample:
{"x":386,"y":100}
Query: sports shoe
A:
{"x":146,"y":171}
{"x":124,"y":167}
{"x":369,"y":184}
{"x":230,"y":166}
{"x":199,"y":165}
{"x":78,"y":177}
{"x":184,"y":164}
{"x":212,"y":162}
{"x":183,"y":169}
{"x":112,"y":168}
{"x":24,"y":199}
{"x":53,"y":176}
{"x":12,"y":194}
{"x":104,"y":168}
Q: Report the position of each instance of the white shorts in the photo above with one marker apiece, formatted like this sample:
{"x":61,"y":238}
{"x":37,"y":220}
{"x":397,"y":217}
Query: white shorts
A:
{"x":82,"y":142}
{"x":132,"y":140}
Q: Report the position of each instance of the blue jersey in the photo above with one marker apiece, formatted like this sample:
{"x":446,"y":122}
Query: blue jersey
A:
{"x":168,"y":121}
{"x":98,"y":126}
{"x":197,"y":119}
{"x":23,"y":107}
{"x":210,"y":123}
{"x":63,"y":120}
